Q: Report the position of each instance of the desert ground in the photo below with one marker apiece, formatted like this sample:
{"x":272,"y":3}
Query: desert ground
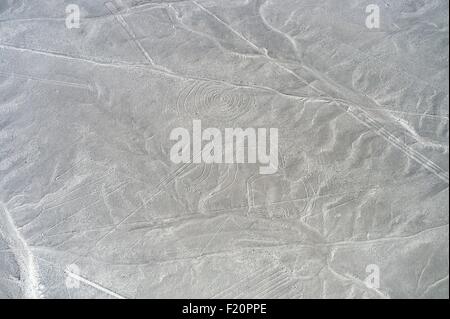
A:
{"x":91,"y":205}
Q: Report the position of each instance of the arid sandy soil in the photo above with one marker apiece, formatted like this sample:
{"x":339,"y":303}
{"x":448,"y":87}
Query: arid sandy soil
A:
{"x":91,"y":206}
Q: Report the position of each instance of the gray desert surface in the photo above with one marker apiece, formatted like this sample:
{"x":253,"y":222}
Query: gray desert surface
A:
{"x":91,"y":205}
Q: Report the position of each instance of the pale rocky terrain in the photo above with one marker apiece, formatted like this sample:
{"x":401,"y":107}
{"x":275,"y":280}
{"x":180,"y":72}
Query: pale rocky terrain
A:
{"x":86,"y":182}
